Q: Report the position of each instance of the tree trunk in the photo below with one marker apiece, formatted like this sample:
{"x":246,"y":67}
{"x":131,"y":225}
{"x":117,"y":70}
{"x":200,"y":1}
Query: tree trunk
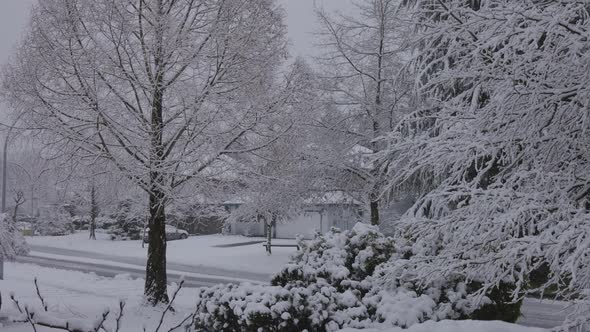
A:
{"x":268,"y":238}
{"x":374,"y":206}
{"x":92,"y":229}
{"x":15,"y":213}
{"x":93,"y":212}
{"x":155,"y":276}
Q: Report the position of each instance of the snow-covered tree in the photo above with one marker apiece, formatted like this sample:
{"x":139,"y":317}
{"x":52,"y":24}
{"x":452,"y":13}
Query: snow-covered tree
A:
{"x":276,"y":180}
{"x":365,"y":91}
{"x":159,"y":88}
{"x":498,"y":148}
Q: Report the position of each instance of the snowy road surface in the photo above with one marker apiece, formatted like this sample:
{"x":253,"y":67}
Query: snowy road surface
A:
{"x":110,"y":266}
{"x":208,"y":251}
{"x":546,"y":314}
{"x":106,"y":270}
{"x":86,"y":256}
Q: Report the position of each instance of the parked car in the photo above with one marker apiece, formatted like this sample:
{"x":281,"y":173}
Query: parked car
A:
{"x":172,"y":233}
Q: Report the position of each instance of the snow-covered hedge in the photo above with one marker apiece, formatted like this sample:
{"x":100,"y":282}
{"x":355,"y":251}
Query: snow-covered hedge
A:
{"x":12,"y":242}
{"x":334,"y":282}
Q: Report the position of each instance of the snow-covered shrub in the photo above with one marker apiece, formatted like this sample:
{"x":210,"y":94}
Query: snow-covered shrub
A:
{"x":357,"y":278}
{"x":105,"y":222}
{"x":246,"y":307}
{"x":54,"y":220}
{"x":12,"y":242}
{"x":129,"y":223}
{"x":80,"y":222}
{"x":338,"y":256}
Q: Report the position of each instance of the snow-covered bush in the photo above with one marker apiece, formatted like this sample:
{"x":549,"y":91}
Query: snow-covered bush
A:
{"x":357,"y":278}
{"x":80,"y":222}
{"x":338,"y":256}
{"x":12,"y":243}
{"x":129,"y":223}
{"x":54,"y":220}
{"x":105,"y":222}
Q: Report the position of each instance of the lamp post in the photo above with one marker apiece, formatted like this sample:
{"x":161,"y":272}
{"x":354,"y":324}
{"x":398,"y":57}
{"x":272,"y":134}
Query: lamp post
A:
{"x":5,"y":161}
{"x":4,"y":164}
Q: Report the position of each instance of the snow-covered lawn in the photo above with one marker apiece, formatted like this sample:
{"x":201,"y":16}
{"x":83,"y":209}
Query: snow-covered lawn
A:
{"x":196,"y":251}
{"x":83,"y":296}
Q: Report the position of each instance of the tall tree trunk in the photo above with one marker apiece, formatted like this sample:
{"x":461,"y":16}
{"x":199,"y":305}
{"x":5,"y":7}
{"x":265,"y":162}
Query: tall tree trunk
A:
{"x":155,"y":279}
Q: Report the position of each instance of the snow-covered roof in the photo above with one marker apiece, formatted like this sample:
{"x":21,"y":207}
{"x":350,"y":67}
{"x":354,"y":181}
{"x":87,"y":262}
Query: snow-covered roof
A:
{"x":361,"y":155}
{"x":329,"y":198}
{"x":333,"y":198}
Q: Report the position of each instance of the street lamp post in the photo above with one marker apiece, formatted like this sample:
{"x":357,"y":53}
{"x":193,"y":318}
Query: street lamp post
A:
{"x":5,"y":161}
{"x":4,"y":165}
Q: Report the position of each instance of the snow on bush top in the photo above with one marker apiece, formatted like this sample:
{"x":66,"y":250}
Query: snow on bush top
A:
{"x":12,"y":243}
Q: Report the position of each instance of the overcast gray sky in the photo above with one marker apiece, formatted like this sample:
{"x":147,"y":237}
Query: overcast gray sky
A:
{"x":300,"y":20}
{"x":14,"y":15}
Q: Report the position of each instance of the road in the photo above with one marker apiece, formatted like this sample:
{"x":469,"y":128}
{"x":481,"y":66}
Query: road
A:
{"x":51,"y":255}
{"x":545,"y":314}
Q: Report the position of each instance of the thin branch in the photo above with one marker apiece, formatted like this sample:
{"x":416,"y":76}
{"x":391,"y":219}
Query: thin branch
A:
{"x":169,"y":306}
{"x":43,"y":303}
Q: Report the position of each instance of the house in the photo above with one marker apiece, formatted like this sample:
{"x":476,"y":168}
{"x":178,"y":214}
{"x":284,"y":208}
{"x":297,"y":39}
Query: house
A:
{"x":334,"y":209}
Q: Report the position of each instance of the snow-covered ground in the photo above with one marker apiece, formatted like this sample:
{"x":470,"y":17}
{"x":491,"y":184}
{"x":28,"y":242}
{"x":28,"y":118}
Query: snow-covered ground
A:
{"x":83,"y":296}
{"x":195,"y":251}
